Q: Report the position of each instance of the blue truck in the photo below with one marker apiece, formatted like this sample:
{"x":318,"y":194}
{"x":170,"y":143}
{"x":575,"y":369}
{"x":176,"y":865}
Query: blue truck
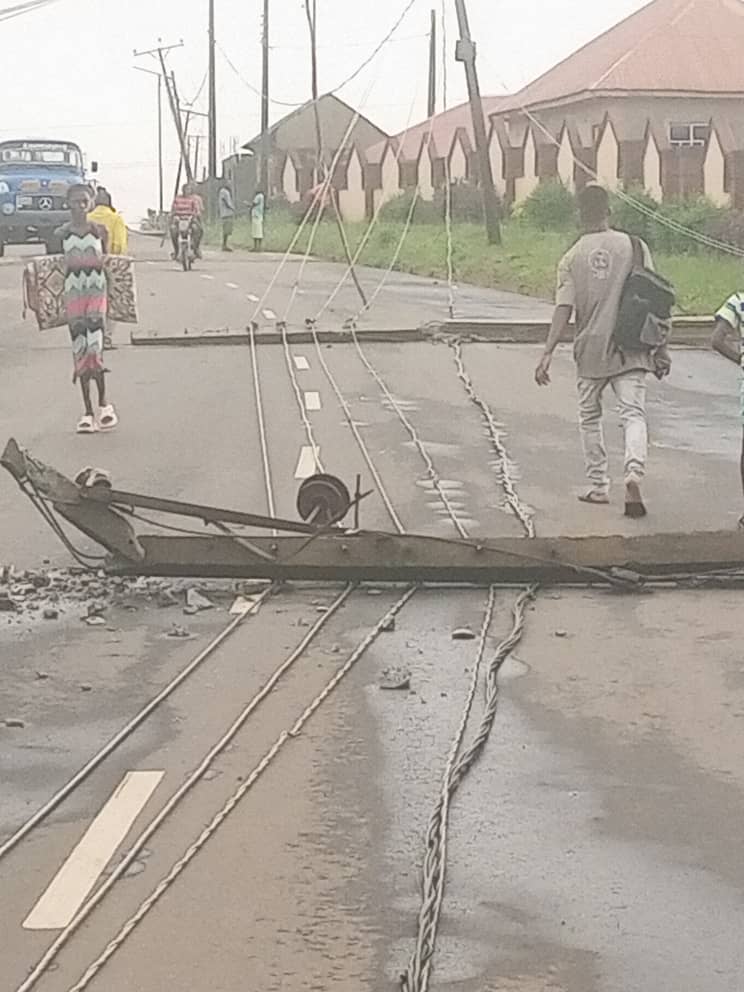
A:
{"x":34,"y":179}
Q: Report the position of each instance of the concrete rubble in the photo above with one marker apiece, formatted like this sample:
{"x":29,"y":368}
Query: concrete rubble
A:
{"x":55,"y":594}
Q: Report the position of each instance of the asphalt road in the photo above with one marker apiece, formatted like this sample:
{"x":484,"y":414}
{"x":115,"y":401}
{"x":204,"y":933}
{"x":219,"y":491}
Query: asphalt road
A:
{"x":596,"y":845}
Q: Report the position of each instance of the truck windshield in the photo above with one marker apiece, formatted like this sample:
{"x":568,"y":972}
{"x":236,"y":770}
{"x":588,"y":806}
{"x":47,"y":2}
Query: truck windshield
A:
{"x":31,"y":153}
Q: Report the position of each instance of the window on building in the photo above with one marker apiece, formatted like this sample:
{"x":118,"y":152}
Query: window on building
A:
{"x":688,"y":135}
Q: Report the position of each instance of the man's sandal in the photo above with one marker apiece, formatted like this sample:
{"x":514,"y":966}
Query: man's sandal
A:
{"x":595,"y":497}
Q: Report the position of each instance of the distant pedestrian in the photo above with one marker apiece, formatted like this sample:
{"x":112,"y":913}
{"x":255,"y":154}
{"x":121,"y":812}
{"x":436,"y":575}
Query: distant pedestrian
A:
{"x":591,"y":280}
{"x":118,"y":242}
{"x":227,"y":215}
{"x":728,"y":337}
{"x":84,"y":245}
{"x":258,"y":210}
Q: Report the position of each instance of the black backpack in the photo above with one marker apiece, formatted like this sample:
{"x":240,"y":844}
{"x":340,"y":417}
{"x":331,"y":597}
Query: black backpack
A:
{"x":645,"y":313}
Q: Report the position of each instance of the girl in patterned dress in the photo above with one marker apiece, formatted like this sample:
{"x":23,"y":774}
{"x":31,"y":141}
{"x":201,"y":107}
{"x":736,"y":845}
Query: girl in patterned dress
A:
{"x":86,"y":297}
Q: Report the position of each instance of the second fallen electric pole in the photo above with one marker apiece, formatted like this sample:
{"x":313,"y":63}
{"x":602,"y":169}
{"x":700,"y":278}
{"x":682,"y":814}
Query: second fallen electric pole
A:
{"x":466,"y":53}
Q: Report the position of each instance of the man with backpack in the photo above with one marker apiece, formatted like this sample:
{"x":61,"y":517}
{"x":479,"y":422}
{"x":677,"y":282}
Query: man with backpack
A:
{"x":622,"y":315}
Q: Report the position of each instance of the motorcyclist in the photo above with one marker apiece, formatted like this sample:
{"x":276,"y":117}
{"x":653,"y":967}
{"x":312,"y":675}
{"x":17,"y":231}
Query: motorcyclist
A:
{"x":187,"y":206}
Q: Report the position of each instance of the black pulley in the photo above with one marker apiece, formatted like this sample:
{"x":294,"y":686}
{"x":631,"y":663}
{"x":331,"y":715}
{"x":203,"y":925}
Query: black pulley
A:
{"x":323,"y":499}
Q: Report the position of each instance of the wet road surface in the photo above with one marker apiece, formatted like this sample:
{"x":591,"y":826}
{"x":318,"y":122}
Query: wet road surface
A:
{"x":594,"y":847}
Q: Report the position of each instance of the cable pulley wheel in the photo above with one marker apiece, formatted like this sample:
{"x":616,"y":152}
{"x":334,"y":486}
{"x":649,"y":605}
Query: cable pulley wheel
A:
{"x":323,"y":499}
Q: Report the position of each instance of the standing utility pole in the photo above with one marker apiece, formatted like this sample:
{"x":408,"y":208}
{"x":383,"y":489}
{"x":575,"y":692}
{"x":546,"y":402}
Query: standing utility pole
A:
{"x":160,"y":134}
{"x":212,"y":164}
{"x":432,"y":105}
{"x":466,"y":53}
{"x":265,"y":145}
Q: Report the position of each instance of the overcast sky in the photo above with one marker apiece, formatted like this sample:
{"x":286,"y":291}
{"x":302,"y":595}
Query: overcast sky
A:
{"x":67,"y":71}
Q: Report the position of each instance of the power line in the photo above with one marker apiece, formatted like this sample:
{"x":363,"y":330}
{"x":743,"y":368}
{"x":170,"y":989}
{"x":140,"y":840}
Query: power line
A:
{"x":349,"y":79}
{"x":8,"y":13}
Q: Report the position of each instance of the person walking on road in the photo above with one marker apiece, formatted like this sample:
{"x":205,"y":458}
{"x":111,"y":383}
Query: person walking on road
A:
{"x":258,"y":210}
{"x":118,"y":241}
{"x":728,"y":337}
{"x":227,"y":215}
{"x":84,"y":245}
{"x":591,"y":280}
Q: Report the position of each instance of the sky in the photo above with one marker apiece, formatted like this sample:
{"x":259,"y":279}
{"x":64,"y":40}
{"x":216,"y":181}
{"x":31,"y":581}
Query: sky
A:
{"x":68,"y":70}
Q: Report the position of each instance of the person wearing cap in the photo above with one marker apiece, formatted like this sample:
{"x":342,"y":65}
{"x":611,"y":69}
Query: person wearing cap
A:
{"x":591,"y":279}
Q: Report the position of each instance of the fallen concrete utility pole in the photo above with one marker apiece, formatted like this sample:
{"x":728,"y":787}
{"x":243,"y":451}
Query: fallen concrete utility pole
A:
{"x":319,"y":548}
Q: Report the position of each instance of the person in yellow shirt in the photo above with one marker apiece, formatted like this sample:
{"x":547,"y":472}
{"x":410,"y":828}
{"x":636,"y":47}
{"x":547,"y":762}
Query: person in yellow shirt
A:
{"x":105,"y":215}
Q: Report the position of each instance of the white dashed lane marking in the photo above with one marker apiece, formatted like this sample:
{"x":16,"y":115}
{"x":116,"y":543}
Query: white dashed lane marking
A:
{"x":232,"y":285}
{"x":301,"y":363}
{"x":252,"y":298}
{"x":204,"y":275}
{"x":269,"y":315}
{"x":308,"y":462}
{"x":312,"y":401}
{"x":76,"y":878}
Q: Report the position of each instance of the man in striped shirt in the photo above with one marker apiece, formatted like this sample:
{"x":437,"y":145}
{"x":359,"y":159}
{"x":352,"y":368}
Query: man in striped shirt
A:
{"x":728,"y":337}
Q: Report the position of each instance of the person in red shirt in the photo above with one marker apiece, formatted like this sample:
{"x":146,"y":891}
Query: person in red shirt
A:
{"x":188,"y":205}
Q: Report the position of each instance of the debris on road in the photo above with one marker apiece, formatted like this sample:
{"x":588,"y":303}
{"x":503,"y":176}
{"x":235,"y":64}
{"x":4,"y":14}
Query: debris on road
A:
{"x":196,"y":602}
{"x":395,"y":680}
{"x":179,"y":633}
{"x":14,"y":724}
{"x":463,"y":634}
{"x":561,"y":633}
{"x":51,"y":613}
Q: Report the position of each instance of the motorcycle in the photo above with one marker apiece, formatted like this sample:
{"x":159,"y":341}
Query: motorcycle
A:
{"x":186,"y":253}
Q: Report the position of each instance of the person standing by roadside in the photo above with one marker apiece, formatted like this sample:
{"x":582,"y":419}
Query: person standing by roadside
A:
{"x":118,"y":240}
{"x":227,"y":215}
{"x":591,"y":280}
{"x":84,"y":245}
{"x":258,"y":210}
{"x":728,"y":336}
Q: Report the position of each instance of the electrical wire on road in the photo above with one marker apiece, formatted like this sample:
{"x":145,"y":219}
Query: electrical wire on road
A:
{"x":174,"y":802}
{"x":417,"y":977}
{"x":126,"y":732}
{"x":523,"y":513}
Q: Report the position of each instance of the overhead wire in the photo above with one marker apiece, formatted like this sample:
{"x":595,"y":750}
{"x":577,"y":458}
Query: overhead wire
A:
{"x":18,"y":10}
{"x":335,"y":89}
{"x":654,"y":215}
{"x":373,"y":222}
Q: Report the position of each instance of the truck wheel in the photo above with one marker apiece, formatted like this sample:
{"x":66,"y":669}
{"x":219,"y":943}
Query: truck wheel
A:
{"x":53,"y":247}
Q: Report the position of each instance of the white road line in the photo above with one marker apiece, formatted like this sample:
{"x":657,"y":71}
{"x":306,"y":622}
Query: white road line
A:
{"x":252,"y":298}
{"x":232,"y":285}
{"x":269,"y":315}
{"x":301,"y":363}
{"x":74,"y":881}
{"x":312,"y":401}
{"x":205,"y":276}
{"x":308,"y":462}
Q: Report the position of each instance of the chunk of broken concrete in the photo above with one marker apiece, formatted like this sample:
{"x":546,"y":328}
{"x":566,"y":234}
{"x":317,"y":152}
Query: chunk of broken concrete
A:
{"x":12,"y":723}
{"x":195,"y":601}
{"x":463,"y":634}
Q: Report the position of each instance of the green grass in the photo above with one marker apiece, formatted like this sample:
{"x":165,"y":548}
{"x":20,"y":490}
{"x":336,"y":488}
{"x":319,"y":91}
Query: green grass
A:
{"x":524,"y":263}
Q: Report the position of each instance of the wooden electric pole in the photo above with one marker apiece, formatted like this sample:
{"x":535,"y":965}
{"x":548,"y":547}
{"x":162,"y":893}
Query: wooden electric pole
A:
{"x":160,"y":52}
{"x":212,"y":156}
{"x":265,"y":177}
{"x":432,"y":104}
{"x":466,"y":53}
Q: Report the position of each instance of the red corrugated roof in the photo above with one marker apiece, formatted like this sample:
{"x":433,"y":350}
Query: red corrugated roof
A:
{"x":691,"y":46}
{"x":443,"y":129}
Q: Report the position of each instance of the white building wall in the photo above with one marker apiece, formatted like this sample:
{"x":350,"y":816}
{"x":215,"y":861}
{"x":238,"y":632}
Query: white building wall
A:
{"x":714,"y":173}
{"x":390,"y":187}
{"x":289,"y":181}
{"x":608,"y":159}
{"x":652,"y":169}
{"x":352,"y":200}
{"x":528,"y":182}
